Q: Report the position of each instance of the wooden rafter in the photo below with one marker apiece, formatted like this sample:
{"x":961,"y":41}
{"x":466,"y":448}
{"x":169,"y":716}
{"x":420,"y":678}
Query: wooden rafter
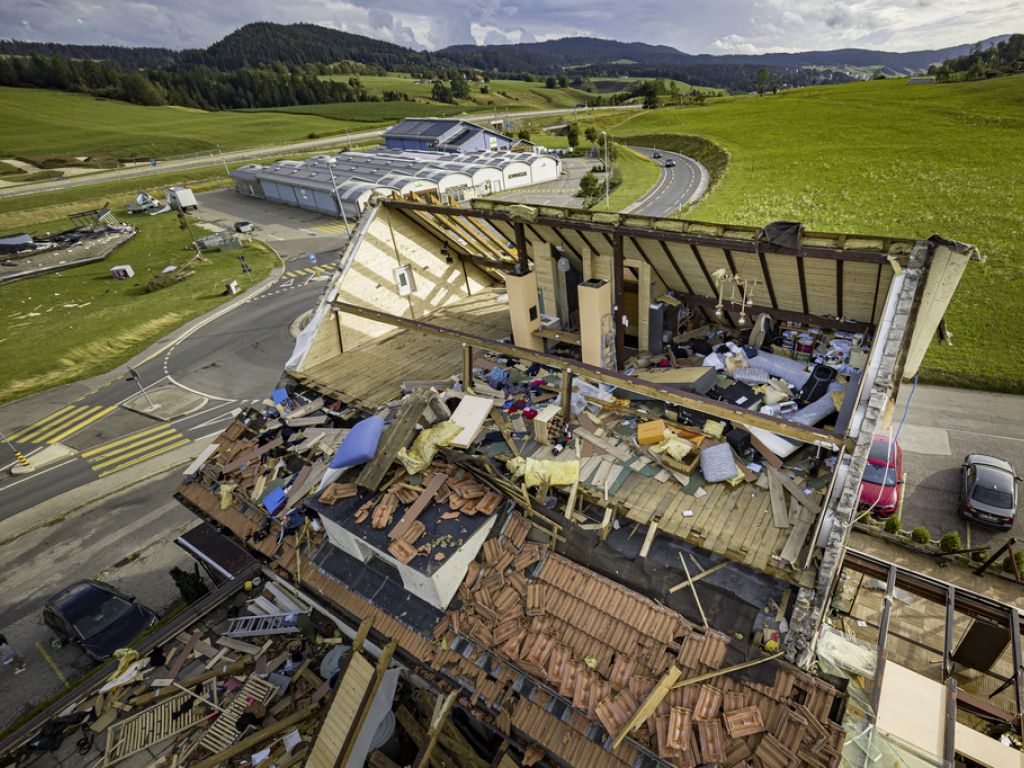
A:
{"x":803,"y":284}
{"x":767,"y":278}
{"x":839,"y":289}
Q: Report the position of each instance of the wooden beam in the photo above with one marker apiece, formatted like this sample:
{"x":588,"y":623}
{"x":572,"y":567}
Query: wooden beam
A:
{"x":794,"y":490}
{"x":726,"y":670}
{"x":657,"y":274}
{"x":682,"y":278}
{"x":699,"y":576}
{"x":442,"y":708}
{"x":361,"y":634}
{"x":619,"y":299}
{"x":883,"y":639}
{"x":467,"y":369}
{"x":364,"y":707}
{"x":654,"y":698}
{"x":521,"y":250}
{"x":803,"y":285}
{"x":767,"y":277}
{"x":839,"y":289}
{"x":784,"y":314}
{"x":701,"y":403}
{"x":565,"y":393}
{"x":1018,"y":666}
{"x":693,"y":590}
{"x":743,"y":245}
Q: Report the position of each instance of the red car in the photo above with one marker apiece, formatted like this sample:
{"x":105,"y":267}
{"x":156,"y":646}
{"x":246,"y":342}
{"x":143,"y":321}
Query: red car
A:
{"x":883,"y":476}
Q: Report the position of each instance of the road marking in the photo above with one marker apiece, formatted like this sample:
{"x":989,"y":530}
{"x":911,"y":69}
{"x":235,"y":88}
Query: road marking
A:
{"x":127,"y":451}
{"x":95,"y":416}
{"x":53,"y":664}
{"x":61,"y":423}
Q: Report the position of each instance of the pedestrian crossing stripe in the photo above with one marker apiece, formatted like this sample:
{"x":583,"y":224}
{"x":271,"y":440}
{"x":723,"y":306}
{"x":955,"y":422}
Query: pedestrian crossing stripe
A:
{"x":306,"y":271}
{"x":61,"y":424}
{"x":133,"y":449}
{"x":332,"y":228}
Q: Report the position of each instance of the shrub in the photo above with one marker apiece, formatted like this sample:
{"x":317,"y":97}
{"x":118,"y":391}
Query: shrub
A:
{"x":920,"y":535}
{"x":980,"y":556}
{"x":1008,"y":564}
{"x":165,"y":279}
{"x":893,"y":524}
{"x":950,"y":542}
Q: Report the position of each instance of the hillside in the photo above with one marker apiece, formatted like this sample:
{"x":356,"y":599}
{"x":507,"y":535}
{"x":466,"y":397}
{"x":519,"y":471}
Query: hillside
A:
{"x":883,"y":157}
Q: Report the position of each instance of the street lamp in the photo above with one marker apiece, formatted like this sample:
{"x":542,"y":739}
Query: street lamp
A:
{"x":607,"y":170}
{"x":337,"y":199}
{"x":134,"y":374}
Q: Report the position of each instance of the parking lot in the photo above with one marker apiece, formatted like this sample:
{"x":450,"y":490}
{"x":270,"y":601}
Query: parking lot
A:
{"x":292,"y":232}
{"x":943,"y":426}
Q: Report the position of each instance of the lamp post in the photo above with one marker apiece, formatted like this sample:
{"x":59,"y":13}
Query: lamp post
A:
{"x":607,"y":170}
{"x":337,"y":199}
{"x":138,"y":381}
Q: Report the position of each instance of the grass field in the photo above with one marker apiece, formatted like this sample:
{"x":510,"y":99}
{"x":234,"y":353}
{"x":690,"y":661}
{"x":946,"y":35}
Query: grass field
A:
{"x":45,"y":344}
{"x":639,"y":174}
{"x":376,"y":111}
{"x":511,"y":93}
{"x":41,"y":125}
{"x":883,"y":157}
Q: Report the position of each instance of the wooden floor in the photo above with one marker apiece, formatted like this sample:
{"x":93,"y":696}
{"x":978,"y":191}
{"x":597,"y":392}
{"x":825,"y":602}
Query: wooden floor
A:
{"x":373,"y":374}
{"x":735,"y":522}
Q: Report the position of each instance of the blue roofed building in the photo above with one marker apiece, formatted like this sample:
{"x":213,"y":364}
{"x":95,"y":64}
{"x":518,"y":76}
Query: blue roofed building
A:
{"x":444,"y":135}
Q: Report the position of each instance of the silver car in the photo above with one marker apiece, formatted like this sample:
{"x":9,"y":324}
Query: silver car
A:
{"x":988,"y":491}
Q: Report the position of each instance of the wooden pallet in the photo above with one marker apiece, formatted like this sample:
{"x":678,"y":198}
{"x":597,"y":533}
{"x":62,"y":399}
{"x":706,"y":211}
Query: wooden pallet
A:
{"x":156,"y":723}
{"x":223,"y":733}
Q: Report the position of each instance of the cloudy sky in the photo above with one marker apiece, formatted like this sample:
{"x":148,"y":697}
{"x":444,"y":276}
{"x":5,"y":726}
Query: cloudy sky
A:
{"x":694,"y":26}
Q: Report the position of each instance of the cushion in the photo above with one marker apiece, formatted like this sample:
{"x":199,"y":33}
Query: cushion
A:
{"x":717,"y":463}
{"x":360,"y":444}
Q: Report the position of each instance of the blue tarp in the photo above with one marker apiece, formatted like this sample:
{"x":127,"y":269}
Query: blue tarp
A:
{"x":274,"y":500}
{"x":279,"y":395}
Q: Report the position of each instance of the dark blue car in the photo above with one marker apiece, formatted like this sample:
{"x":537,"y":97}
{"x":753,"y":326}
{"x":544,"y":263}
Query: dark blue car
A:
{"x":97,"y":617}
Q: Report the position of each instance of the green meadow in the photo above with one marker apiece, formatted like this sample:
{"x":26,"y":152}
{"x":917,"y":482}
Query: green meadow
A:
{"x":884,"y":157}
{"x":46,"y":126}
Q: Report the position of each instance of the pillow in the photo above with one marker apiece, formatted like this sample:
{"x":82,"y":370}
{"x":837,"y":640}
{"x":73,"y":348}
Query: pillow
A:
{"x":360,"y":444}
{"x":717,"y":463}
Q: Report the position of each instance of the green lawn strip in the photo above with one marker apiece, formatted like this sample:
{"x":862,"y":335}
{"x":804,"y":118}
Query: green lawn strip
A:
{"x":41,"y":125}
{"x":6,"y":169}
{"x":882,"y":157}
{"x":61,"y":344}
{"x":639,"y":174}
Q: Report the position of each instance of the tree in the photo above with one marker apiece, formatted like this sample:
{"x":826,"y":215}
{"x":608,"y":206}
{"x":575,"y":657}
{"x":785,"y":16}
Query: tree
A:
{"x":572,"y":135}
{"x":441,"y":92}
{"x":590,"y":133}
{"x":551,"y":82}
{"x":590,"y":186}
{"x":976,"y":71}
{"x":762,"y":80}
{"x":524,"y":133}
{"x":459,"y":87}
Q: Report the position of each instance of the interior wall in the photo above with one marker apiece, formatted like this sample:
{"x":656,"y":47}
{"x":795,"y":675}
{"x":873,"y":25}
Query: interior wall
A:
{"x":370,"y":281}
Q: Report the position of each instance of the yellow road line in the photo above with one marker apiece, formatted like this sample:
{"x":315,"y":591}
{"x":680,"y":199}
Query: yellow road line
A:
{"x":121,"y":454}
{"x":165,"y":449}
{"x":40,"y":435}
{"x":53,"y":664}
{"x":128,"y":439}
{"x":81,"y":424}
{"x":41,"y":423}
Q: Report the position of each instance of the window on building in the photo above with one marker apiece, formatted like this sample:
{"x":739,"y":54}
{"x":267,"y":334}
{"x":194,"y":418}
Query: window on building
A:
{"x":517,"y":175}
{"x":404,"y":280}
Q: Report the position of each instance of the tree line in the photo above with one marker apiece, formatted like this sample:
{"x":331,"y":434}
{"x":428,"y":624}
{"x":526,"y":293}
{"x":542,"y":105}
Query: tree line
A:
{"x":199,"y":87}
{"x":1004,"y":58}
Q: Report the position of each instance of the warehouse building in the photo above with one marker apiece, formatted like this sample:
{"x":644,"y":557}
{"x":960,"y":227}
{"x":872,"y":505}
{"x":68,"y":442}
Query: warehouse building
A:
{"x":444,"y":135}
{"x":342,"y":185}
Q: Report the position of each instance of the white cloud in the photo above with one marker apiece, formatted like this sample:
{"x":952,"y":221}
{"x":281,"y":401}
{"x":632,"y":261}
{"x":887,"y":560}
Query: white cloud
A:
{"x":695,"y":26}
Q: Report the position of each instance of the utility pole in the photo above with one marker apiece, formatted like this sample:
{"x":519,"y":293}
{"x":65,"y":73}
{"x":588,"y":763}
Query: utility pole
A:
{"x":138,"y":381}
{"x":17,"y":454}
{"x":337,"y":199}
{"x":607,"y":170}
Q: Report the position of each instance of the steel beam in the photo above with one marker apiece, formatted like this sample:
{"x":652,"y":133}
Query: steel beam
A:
{"x":883,"y":639}
{"x":700,"y":403}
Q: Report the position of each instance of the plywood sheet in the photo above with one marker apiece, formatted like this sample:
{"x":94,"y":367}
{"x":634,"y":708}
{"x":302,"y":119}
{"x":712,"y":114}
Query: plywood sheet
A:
{"x":470,"y":414}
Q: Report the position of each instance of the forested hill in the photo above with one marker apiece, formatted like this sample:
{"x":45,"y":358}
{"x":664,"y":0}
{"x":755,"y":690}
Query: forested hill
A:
{"x":1003,"y":58}
{"x":298,"y":44}
{"x":254,"y":44}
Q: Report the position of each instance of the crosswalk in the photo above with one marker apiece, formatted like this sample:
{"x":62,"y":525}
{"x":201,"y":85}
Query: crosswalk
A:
{"x":307,"y":271}
{"x":335,"y":228}
{"x":61,"y":424}
{"x":133,"y":449}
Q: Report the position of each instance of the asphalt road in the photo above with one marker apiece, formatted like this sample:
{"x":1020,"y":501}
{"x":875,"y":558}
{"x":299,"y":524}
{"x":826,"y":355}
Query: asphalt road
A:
{"x":678,"y":186}
{"x":254,"y":153}
{"x":943,"y":425}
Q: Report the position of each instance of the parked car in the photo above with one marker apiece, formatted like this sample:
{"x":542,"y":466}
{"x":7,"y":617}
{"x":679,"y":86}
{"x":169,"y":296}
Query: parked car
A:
{"x":988,"y":491}
{"x":882,"y":483}
{"x":243,"y":226}
{"x":656,"y":155}
{"x":97,"y":617}
{"x":670,"y":163}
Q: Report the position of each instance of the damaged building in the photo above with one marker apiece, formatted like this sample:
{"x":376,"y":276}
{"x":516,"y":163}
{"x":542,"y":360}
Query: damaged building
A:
{"x":583,"y":484}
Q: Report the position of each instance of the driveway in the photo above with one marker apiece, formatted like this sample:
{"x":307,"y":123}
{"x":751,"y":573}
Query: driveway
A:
{"x":560,"y":192}
{"x":943,"y":425}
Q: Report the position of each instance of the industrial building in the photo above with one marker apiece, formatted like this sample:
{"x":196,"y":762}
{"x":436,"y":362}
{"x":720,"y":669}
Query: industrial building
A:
{"x":341,"y":185}
{"x":444,"y":135}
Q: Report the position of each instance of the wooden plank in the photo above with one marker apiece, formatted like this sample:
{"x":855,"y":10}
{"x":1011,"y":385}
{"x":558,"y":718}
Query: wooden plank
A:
{"x":699,"y":576}
{"x":182,"y":657}
{"x":417,"y":507}
{"x":470,"y":414}
{"x":652,"y":531}
{"x":397,"y":436}
{"x":794,"y":489}
{"x":777,"y":495}
{"x":238,"y":645}
{"x":646,"y":709}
